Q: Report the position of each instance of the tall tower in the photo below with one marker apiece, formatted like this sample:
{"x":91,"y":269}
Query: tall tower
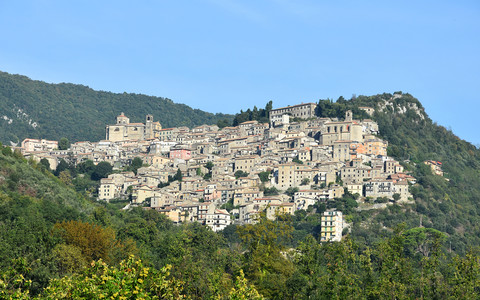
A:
{"x":149,"y":127}
{"x":348,"y":116}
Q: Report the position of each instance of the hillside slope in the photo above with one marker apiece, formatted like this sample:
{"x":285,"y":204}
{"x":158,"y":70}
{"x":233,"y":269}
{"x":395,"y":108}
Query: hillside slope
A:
{"x":36,"y":109}
{"x":450,"y":204}
{"x":31,"y":201}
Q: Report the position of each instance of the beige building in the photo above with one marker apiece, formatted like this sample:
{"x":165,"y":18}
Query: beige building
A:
{"x":401,"y":188}
{"x":304,"y":154}
{"x":292,"y":174}
{"x":352,"y":173}
{"x":123,"y":130}
{"x":436,"y":167}
{"x":156,"y":161}
{"x":174,"y":213}
{"x":368,"y":110}
{"x":371,"y":146}
{"x":244,"y":195}
{"x":168,"y":134}
{"x":335,"y":191}
{"x":355,"y":187}
{"x":38,"y":156}
{"x":107,"y":190}
{"x":162,"y":200}
{"x":273,"y":210}
{"x":379,"y":187}
{"x":34,"y":145}
{"x":142,"y":192}
{"x":346,"y":130}
{"x":246,"y":163}
{"x":341,"y":151}
{"x":304,"y":198}
{"x":303,"y":111}
{"x":248,"y":213}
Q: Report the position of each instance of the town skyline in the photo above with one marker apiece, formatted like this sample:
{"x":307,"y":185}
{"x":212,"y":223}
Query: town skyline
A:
{"x":221,"y":176}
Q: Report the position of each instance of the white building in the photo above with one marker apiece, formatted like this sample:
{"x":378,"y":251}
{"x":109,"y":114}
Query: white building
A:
{"x":332,"y":226}
{"x":218,"y":220}
{"x":34,"y":145}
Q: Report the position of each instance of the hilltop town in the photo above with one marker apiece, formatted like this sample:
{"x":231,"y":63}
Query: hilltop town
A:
{"x":229,"y":175}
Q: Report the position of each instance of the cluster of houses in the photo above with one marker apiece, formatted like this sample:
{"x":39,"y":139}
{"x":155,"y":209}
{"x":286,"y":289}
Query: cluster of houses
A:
{"x":436,"y":166}
{"x":241,"y":167}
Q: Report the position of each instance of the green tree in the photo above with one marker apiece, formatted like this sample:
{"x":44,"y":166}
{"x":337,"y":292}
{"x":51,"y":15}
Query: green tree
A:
{"x":86,"y":167}
{"x":396,"y":197}
{"x":131,"y":280}
{"x":465,"y":281}
{"x":136,"y":164}
{"x":63,"y":144}
{"x":396,"y":273}
{"x":68,"y":259}
{"x":178,"y":176}
{"x":268,"y":108}
{"x":45,"y":163}
{"x":423,"y":240}
{"x":270,"y":191}
{"x":240,"y":173}
{"x":297,"y":161}
{"x":242,"y":290}
{"x":209,"y":165}
{"x":62,"y":166}
{"x":65,"y":177}
{"x":265,"y":264}
{"x":291,"y":191}
{"x":94,"y":241}
{"x":13,"y":284}
{"x":7,"y":151}
{"x":223,"y":123}
{"x":102,"y":169}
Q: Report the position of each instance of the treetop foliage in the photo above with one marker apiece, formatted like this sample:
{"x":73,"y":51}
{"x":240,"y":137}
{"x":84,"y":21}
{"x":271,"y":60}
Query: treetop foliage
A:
{"x":261,"y":115}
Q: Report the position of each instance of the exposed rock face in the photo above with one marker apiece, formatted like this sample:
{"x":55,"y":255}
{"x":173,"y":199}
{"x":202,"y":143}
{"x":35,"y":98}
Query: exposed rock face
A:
{"x":393,"y":106}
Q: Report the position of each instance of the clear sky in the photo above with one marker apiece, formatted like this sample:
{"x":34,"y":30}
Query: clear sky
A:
{"x":227,"y":55}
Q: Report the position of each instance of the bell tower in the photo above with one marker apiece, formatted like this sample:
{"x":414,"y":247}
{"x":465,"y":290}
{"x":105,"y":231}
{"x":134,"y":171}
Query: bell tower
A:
{"x":348,"y":116}
{"x":122,"y":119}
{"x":148,"y":127}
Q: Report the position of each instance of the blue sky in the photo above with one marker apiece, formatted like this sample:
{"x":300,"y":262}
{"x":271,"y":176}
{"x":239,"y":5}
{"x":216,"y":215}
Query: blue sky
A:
{"x":227,"y":55}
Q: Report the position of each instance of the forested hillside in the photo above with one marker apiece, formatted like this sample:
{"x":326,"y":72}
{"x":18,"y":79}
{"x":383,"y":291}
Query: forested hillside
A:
{"x":36,"y":109}
{"x":450,"y":204}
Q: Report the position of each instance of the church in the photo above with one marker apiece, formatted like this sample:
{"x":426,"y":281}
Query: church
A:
{"x":123,"y":130}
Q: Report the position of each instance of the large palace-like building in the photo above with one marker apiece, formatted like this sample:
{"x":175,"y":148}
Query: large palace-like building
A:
{"x":302,"y":111}
{"x":123,"y":130}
